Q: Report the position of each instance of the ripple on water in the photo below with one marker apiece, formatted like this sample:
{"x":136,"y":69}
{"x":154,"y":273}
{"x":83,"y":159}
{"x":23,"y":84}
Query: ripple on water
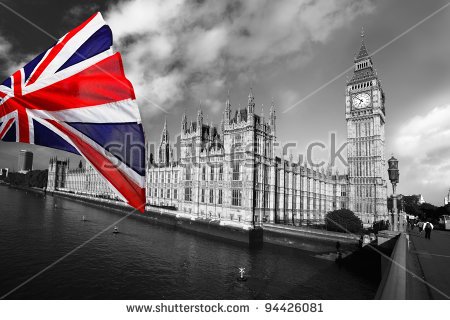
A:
{"x":148,"y":261}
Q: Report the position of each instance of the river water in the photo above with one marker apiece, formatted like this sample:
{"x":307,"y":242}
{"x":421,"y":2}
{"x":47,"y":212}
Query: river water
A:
{"x":146,"y":260}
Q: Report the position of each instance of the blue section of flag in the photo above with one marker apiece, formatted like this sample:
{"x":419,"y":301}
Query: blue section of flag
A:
{"x":7,"y":82}
{"x":30,"y":66}
{"x":47,"y":138}
{"x":123,"y":140}
{"x":100,"y":41}
{"x":10,"y":136}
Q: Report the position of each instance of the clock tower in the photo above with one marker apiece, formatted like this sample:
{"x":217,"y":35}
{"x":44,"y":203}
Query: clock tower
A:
{"x":365,"y":115}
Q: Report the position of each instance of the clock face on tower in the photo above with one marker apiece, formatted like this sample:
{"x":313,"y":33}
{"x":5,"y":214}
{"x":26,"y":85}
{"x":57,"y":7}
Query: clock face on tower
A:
{"x":361,"y":100}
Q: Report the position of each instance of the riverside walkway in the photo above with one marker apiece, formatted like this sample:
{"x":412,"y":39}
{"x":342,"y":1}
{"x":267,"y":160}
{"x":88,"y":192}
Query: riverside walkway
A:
{"x":429,"y":259}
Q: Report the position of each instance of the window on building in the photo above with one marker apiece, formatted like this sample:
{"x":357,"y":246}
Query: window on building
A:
{"x":175,"y":195}
{"x":236,"y":197}
{"x":266,"y":199}
{"x":188,"y":173}
{"x":168,"y":177}
{"x":211,"y":176}
{"x":203,"y":196}
{"x":175,"y":179}
{"x":187,"y":194}
{"x":203,"y":173}
{"x":161,"y":193}
{"x":220,"y":172}
{"x":211,"y":196}
{"x":150,"y":175}
{"x":156,"y":192}
{"x":219,"y":201}
{"x":168,"y":193}
{"x":257,"y":145}
{"x":236,"y":170}
{"x":266,"y":174}
{"x":237,"y":139}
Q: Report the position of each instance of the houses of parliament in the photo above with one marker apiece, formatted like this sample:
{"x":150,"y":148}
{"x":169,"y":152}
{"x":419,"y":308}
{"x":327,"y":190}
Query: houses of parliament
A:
{"x":230,"y":172}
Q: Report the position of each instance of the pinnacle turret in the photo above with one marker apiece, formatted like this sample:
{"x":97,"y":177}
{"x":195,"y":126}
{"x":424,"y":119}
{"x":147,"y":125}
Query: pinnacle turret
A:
{"x":251,"y":102}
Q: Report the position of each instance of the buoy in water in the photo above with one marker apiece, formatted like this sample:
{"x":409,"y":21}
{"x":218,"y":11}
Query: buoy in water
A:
{"x":116,"y":230}
{"x":83,"y":218}
{"x":242,"y":277}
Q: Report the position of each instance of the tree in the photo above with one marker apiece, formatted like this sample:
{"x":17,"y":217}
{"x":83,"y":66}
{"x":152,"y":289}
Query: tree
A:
{"x":428,"y":211}
{"x":343,"y":220}
{"x":410,"y":204}
{"x":35,"y":178}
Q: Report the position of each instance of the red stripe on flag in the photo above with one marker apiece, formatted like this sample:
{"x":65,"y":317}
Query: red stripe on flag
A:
{"x":17,"y":84}
{"x":101,"y":83}
{"x":56,"y":49}
{"x":134,"y":194}
{"x":6,"y":128}
{"x":24,"y":129}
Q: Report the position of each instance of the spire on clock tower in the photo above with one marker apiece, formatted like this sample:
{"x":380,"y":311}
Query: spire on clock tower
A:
{"x":364,"y":69}
{"x":363,"y":53}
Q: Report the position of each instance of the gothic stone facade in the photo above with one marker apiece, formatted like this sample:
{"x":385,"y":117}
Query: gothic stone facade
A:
{"x":83,"y":181}
{"x":231,"y":173}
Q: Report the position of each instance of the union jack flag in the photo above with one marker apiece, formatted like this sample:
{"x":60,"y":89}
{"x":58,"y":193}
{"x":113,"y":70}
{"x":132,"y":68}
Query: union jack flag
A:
{"x":75,"y":97}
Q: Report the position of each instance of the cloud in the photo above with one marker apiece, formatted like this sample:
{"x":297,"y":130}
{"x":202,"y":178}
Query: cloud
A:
{"x":5,"y":47}
{"x":10,"y":61}
{"x":422,"y":145}
{"x":180,"y":50}
{"x":5,"y":54}
{"x":78,"y":12}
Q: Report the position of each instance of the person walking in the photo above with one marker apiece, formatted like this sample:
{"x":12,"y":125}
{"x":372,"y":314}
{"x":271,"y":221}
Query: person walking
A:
{"x":428,"y":226}
{"x":420,"y":226}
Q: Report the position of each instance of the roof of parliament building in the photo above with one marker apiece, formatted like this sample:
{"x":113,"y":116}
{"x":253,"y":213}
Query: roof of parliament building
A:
{"x":212,"y":138}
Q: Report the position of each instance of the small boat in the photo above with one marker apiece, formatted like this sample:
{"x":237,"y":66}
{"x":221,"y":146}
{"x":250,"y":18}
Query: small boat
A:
{"x":116,"y":230}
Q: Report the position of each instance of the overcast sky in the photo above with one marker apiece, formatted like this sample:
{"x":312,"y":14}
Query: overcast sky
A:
{"x":180,"y":53}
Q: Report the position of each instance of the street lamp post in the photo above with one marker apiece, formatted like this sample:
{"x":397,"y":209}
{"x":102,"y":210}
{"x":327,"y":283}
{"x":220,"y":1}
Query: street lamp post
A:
{"x":394,"y":178}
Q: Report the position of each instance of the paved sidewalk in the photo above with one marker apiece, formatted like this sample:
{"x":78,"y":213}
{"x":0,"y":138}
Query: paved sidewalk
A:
{"x":430,"y":260}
